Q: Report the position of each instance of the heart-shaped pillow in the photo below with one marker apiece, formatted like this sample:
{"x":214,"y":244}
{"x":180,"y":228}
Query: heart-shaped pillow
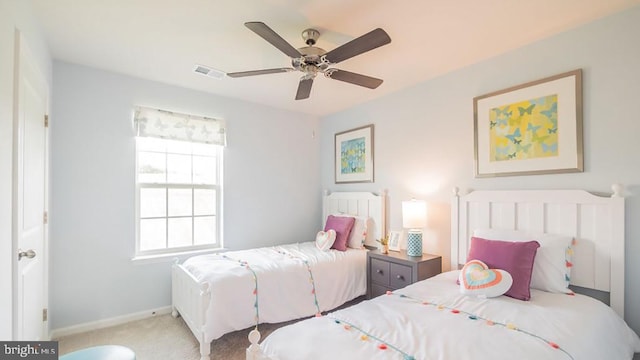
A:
{"x":477,"y":279}
{"x":325,"y":239}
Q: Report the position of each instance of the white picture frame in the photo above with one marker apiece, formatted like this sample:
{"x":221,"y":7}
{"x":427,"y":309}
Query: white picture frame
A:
{"x":395,"y":237}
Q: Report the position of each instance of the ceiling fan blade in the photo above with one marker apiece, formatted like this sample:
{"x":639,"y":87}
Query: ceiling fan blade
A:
{"x":353,"y":78}
{"x":304,"y":88}
{"x":273,"y":38}
{"x":357,"y":46}
{"x":258,"y":72}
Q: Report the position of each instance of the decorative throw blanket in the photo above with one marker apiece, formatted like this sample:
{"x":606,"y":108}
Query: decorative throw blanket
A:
{"x":276,"y":284}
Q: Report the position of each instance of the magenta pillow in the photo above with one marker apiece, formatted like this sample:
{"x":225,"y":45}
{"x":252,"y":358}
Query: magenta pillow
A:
{"x":342,"y":225}
{"x":516,"y":258}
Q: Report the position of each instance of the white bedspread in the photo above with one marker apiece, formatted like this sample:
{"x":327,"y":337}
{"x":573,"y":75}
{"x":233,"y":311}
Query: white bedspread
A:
{"x":285,"y":288}
{"x":455,"y":326}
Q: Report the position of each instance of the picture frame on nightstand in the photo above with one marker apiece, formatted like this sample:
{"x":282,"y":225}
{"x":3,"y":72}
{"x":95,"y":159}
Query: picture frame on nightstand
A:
{"x":395,"y":237}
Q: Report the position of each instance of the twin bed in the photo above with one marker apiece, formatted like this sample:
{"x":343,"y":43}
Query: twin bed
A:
{"x":432,"y":319}
{"x":220,"y":293}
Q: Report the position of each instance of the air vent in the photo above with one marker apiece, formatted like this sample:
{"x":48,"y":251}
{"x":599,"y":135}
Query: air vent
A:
{"x":207,"y":71}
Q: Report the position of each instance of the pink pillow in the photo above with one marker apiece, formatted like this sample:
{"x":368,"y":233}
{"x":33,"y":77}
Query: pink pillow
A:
{"x":342,"y":225}
{"x":516,"y":258}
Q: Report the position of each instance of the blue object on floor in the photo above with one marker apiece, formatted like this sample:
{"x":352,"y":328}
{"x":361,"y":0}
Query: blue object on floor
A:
{"x":104,"y":352}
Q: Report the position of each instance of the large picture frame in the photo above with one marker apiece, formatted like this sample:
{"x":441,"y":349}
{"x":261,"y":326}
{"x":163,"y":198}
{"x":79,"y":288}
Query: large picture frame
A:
{"x":533,"y":128}
{"x":354,"y":155}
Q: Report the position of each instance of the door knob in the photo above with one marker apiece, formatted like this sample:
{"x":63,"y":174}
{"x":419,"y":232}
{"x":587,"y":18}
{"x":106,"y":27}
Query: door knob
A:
{"x":29,"y":254}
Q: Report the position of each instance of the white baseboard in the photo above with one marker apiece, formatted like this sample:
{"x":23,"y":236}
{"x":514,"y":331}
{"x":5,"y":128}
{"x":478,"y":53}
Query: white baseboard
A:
{"x":104,"y":323}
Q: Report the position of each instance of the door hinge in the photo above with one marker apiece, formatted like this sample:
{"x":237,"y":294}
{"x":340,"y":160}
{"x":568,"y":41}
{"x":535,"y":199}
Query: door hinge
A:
{"x":44,"y":314}
{"x":46,"y":121}
{"x":45,"y":217}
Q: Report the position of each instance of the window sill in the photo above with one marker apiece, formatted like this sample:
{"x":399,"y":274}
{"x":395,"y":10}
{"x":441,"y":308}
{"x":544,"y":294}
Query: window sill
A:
{"x":170,"y":257}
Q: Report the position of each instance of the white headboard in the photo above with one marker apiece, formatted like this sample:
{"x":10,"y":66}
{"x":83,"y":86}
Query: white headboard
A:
{"x":596,"y":222}
{"x":365,"y":204}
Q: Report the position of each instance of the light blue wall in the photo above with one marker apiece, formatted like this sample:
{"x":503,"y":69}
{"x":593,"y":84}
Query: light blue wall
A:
{"x":271,"y":172}
{"x":424,"y":135}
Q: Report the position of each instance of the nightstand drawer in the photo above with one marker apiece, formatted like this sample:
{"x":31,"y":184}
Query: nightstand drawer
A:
{"x":395,"y":270}
{"x":400,"y":276}
{"x":379,"y":272}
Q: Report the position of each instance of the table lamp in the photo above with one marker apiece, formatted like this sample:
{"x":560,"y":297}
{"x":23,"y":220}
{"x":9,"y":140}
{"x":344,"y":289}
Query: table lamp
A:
{"x":414,"y":218}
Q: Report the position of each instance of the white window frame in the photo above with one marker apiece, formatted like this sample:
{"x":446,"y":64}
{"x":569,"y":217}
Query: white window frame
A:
{"x":142,"y":254}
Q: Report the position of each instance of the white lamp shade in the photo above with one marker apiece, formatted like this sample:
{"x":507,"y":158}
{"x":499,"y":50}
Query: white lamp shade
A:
{"x":414,"y":214}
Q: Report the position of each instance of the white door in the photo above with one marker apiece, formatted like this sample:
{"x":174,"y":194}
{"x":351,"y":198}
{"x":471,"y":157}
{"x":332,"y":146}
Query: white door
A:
{"x":30,"y":179}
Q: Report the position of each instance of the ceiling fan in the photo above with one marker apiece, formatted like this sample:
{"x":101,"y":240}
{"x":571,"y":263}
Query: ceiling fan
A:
{"x":312,"y":60}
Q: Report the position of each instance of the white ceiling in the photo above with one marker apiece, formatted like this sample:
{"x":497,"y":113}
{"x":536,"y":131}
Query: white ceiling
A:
{"x":162,"y":40}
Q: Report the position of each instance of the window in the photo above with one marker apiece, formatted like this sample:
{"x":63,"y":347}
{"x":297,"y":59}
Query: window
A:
{"x":178,"y":192}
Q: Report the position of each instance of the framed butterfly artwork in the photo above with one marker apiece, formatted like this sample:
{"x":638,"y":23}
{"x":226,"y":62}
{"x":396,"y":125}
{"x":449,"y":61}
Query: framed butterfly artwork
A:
{"x":533,"y":128}
{"x":354,"y":155}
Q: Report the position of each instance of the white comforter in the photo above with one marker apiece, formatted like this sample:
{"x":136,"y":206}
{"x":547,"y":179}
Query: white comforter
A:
{"x":285,"y":289}
{"x":454,"y":326}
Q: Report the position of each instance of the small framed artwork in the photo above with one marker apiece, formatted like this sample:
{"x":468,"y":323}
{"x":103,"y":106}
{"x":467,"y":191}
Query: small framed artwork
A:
{"x":354,"y":155}
{"x":394,"y":240}
{"x":533,"y":128}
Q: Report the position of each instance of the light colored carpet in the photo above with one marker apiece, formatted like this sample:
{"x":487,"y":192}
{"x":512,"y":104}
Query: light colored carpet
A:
{"x":163,"y":337}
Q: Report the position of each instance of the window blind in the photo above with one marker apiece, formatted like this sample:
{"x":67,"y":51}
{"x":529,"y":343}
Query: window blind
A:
{"x":176,"y":126}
